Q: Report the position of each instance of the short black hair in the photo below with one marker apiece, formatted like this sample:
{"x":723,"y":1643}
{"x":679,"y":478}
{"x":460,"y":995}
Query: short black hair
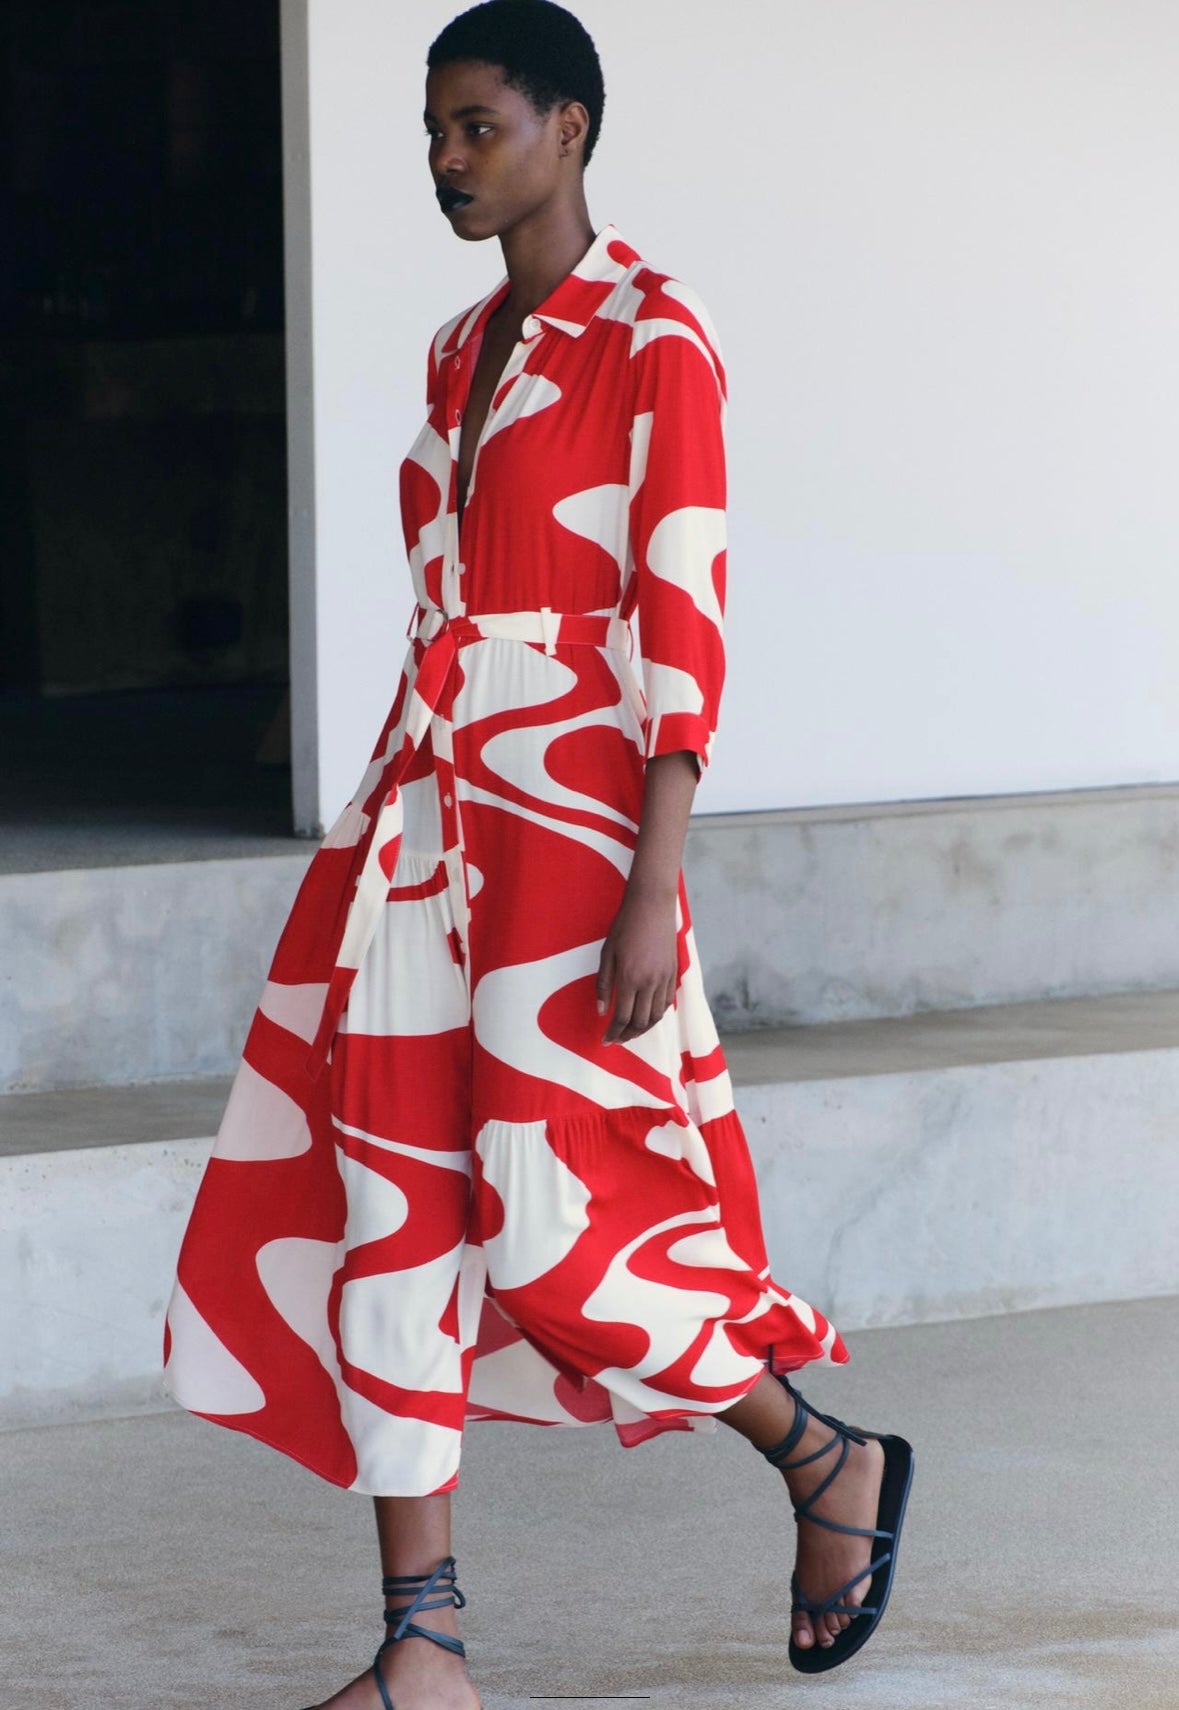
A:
{"x":541,"y":49}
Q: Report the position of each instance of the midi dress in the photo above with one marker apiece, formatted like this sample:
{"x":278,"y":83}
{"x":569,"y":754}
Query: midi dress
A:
{"x":435,"y":1195}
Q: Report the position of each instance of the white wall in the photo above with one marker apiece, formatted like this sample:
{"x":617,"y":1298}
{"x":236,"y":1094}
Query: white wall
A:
{"x":937,"y":239}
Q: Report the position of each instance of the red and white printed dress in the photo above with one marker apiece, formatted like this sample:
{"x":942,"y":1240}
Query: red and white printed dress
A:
{"x":435,"y":1195}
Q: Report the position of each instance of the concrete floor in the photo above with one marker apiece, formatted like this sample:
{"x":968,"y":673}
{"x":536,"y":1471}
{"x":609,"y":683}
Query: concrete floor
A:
{"x":160,"y":1562}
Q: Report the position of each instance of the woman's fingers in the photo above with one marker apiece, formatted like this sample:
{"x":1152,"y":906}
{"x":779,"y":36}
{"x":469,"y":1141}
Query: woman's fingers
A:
{"x":660,"y":995}
{"x":640,"y":1013}
{"x":639,"y":1001}
{"x":605,"y":981}
{"x":637,"y":1007}
{"x":624,"y":998}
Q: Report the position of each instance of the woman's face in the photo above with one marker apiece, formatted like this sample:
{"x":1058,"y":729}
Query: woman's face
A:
{"x":487,"y":140}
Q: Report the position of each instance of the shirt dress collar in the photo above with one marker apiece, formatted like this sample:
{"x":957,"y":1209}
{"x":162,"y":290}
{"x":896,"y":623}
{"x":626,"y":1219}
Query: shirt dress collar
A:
{"x":573,"y":302}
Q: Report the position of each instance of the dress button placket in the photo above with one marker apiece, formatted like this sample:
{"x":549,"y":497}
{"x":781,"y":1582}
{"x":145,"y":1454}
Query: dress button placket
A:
{"x":454,"y":855}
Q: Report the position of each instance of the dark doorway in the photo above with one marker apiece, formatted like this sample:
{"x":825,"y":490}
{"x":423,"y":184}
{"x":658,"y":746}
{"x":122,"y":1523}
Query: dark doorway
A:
{"x":143,"y":503}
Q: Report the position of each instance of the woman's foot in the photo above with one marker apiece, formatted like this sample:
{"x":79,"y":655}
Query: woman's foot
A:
{"x":418,"y":1675}
{"x":827,"y":1559}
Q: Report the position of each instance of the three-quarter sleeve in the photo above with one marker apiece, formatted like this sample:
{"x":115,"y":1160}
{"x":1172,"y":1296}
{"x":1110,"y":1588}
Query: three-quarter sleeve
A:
{"x":677,"y":496}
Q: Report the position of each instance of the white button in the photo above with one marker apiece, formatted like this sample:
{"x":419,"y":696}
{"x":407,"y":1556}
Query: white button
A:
{"x":447,"y":800}
{"x":458,"y":361}
{"x":531,"y":325}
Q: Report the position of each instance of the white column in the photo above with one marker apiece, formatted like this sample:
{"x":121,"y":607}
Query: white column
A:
{"x":356,"y":372}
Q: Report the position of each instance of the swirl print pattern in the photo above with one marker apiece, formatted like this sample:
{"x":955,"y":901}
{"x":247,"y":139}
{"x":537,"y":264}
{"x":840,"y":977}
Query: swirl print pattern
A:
{"x":435,"y":1196}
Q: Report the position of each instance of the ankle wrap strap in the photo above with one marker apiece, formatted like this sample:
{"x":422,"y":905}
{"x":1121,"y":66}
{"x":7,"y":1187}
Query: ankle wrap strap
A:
{"x":440,"y":1579}
{"x":400,"y":1618}
{"x":777,"y":1452}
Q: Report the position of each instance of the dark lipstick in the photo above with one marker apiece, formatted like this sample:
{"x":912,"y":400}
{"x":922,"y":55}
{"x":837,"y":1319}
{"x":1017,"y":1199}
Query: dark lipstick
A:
{"x":450,"y":198}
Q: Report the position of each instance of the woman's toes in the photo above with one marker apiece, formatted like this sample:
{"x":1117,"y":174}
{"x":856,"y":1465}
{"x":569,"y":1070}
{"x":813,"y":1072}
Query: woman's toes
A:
{"x":851,"y":1597}
{"x":802,"y":1631}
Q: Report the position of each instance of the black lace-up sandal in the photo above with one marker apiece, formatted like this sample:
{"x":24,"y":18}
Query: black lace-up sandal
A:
{"x":890,"y":1511}
{"x":401,"y":1619}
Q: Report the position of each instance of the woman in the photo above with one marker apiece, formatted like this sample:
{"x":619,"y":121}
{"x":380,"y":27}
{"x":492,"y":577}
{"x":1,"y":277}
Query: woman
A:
{"x":480,"y":1159}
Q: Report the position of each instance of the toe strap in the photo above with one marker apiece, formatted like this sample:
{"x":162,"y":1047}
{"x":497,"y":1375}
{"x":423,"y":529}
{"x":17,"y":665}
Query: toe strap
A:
{"x":830,"y":1604}
{"x":836,"y":1608}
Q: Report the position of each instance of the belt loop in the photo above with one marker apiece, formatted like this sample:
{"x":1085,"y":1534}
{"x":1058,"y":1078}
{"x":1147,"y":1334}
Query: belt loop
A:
{"x":549,"y":628}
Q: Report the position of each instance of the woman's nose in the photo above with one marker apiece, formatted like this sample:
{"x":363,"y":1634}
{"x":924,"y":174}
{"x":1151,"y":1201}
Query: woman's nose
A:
{"x":449,"y":161}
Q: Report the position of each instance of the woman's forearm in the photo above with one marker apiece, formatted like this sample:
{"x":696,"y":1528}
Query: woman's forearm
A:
{"x":668,"y":790}
{"x":638,"y":960}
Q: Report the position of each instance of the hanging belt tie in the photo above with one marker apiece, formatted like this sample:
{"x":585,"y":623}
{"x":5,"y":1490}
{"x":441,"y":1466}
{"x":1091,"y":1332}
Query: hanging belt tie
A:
{"x":435,"y":638}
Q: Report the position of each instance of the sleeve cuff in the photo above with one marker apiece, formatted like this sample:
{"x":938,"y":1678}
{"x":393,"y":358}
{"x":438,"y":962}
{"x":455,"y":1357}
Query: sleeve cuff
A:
{"x":676,"y":730}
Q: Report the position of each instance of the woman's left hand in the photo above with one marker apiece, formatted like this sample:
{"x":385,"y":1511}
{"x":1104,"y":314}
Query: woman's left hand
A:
{"x":638,"y":963}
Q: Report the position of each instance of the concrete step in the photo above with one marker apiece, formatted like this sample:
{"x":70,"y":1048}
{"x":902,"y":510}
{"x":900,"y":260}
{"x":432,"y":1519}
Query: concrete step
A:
{"x":911,"y":1170}
{"x":141,"y":970}
{"x":81,"y":1118}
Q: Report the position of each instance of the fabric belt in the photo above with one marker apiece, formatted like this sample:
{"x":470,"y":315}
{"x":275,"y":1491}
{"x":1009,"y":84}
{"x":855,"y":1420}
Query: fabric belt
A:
{"x":435,"y":640}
